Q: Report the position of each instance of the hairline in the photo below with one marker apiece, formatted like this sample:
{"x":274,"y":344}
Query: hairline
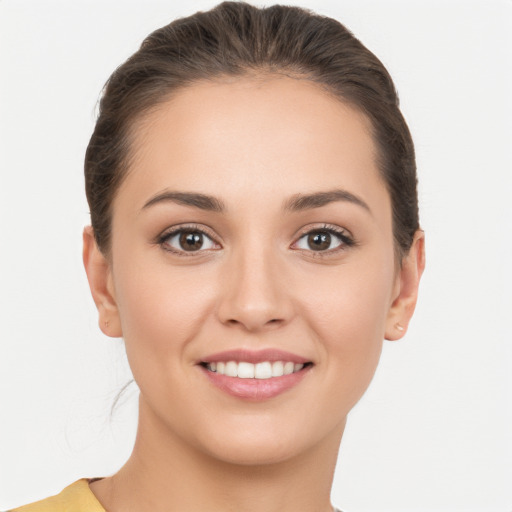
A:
{"x":261,"y":73}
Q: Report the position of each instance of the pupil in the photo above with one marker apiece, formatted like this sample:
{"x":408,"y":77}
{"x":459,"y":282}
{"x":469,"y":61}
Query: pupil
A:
{"x":319,"y":241}
{"x":191,"y":241}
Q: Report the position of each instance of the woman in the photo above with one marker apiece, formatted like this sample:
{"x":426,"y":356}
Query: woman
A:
{"x":254,"y":238}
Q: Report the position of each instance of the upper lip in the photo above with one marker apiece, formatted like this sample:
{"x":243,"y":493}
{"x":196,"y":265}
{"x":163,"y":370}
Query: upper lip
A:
{"x":255,"y":356}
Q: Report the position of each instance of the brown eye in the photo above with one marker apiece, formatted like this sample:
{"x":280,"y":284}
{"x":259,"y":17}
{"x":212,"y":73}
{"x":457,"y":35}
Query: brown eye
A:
{"x":187,"y":241}
{"x":191,"y":240}
{"x":319,"y":241}
{"x":324,"y":240}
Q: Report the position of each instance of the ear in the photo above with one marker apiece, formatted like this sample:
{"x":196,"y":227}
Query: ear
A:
{"x":99,"y":275}
{"x":406,"y":289}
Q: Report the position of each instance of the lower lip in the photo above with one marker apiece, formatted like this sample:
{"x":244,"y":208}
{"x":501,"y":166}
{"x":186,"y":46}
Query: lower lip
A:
{"x":255,"y":389}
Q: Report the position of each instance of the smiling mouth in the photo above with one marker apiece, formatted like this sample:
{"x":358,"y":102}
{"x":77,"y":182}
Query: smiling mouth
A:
{"x":260,"y":371}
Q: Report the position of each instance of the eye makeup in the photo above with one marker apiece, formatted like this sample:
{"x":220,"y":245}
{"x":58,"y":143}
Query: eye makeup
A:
{"x":192,"y":240}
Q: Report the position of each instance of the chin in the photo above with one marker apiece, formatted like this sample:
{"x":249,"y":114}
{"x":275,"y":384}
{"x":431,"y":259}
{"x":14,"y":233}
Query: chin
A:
{"x":263,"y":444}
{"x":259,"y":453}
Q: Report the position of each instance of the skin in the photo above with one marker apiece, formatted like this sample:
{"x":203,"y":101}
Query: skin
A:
{"x":254,"y":144}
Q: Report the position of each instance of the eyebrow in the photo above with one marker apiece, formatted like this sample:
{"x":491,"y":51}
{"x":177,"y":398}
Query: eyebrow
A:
{"x":296,"y":203}
{"x":197,"y":200}
{"x":301,"y":202}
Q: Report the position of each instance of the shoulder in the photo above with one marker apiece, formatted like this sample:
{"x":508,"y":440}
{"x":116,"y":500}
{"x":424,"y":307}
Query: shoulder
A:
{"x":76,"y":497}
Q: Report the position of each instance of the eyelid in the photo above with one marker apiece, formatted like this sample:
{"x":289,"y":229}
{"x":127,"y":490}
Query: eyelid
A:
{"x":343,"y":234}
{"x":324,"y":226}
{"x":346,"y":237}
{"x":174,"y":230}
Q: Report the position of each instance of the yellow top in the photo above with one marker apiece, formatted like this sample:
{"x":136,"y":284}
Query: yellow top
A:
{"x":76,"y":497}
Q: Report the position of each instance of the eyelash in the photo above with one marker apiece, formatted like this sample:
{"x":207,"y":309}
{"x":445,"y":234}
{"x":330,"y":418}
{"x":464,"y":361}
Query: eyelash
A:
{"x":164,"y":238}
{"x":346,"y":240}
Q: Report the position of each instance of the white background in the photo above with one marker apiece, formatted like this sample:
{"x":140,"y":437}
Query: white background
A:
{"x":434,"y":431}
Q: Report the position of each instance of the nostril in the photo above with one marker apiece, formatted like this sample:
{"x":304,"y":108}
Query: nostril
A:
{"x":274,"y":322}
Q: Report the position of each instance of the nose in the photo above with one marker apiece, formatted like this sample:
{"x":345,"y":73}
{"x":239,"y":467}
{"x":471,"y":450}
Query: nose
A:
{"x":254,"y":295}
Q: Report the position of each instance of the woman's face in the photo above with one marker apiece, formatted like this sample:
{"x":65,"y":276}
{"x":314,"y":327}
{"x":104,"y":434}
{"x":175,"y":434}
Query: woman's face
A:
{"x":253,"y":230}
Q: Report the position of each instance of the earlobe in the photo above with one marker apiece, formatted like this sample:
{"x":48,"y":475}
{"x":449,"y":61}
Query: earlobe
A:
{"x":99,"y":275}
{"x":406,"y":295}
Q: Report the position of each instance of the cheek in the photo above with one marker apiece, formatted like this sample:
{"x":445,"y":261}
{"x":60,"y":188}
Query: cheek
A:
{"x":347,"y":312}
{"x":161,"y":309}
{"x":350,"y":302}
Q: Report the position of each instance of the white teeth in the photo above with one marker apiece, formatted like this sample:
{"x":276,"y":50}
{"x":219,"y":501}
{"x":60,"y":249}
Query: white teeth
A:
{"x":245,"y":370}
{"x":277,"y":369}
{"x":288,"y":368}
{"x":263,"y":370}
{"x":231,"y":369}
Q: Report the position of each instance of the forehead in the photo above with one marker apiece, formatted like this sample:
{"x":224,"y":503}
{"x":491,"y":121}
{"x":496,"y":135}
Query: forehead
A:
{"x":274,"y":136}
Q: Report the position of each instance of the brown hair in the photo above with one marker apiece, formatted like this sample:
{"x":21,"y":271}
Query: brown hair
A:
{"x":234,"y":39}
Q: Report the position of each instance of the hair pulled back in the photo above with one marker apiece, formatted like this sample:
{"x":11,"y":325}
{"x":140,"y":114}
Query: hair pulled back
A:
{"x":234,"y":39}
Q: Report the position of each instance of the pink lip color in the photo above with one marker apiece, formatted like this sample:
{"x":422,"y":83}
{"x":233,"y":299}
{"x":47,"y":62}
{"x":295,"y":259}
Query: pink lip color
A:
{"x":254,"y":356}
{"x":255,"y":389}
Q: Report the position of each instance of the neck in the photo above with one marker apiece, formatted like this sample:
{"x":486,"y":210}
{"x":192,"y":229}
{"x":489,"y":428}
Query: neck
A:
{"x":166,"y":474}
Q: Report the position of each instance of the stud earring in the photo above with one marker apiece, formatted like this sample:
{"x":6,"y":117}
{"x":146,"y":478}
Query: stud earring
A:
{"x":398,"y":327}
